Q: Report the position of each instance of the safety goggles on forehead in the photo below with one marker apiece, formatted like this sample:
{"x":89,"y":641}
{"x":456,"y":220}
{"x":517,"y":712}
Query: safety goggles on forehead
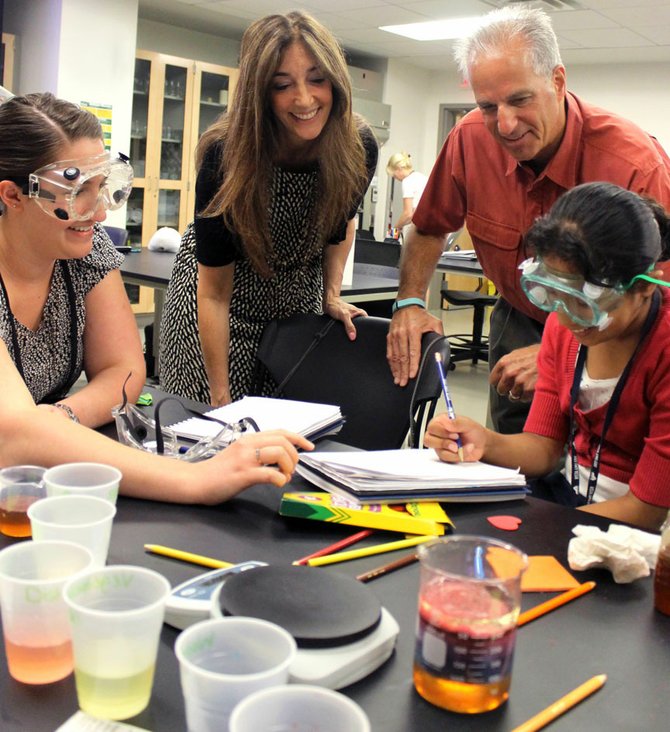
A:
{"x":585,"y":303}
{"x":72,"y":190}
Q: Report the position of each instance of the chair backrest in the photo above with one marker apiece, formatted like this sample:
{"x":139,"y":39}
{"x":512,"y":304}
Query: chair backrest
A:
{"x":323,"y":365}
{"x":118,"y":235}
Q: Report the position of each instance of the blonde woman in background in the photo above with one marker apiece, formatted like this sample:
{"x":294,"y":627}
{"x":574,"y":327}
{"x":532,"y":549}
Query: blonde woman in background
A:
{"x":400,"y":167}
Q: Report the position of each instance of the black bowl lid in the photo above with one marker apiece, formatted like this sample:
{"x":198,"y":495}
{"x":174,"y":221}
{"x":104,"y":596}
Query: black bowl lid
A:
{"x":319,"y":608}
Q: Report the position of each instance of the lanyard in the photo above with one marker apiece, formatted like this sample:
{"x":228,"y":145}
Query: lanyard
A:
{"x":72,"y":368}
{"x":611,"y":407}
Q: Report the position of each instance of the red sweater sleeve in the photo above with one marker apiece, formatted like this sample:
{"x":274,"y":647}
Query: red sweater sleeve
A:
{"x":548,"y":414}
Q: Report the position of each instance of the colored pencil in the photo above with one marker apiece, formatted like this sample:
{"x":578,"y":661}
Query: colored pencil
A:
{"x":332,"y":548}
{"x":166,"y":551}
{"x":390,"y":546}
{"x":548,"y":715}
{"x":387,"y":568}
{"x":549,"y":605}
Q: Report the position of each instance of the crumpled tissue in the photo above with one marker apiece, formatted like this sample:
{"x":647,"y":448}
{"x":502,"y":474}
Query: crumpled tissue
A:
{"x":628,"y":553}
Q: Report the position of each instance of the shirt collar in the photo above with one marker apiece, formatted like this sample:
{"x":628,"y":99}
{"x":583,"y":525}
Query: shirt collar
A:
{"x":562,"y":168}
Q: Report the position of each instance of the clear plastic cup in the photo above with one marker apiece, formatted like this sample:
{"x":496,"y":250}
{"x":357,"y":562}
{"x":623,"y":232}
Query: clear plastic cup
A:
{"x":223,"y":660}
{"x":116,"y":615}
{"x":91,"y":479}
{"x":38,"y":641}
{"x":20,"y":486}
{"x":469,"y":601}
{"x":85,"y":520}
{"x":298,"y":708}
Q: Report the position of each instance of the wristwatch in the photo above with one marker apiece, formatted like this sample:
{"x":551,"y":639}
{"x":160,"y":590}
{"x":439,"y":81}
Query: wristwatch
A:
{"x":399,"y":304}
{"x":68,"y":410}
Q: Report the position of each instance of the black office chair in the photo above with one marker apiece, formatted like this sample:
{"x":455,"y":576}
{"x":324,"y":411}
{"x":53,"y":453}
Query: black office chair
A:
{"x":473,"y":346}
{"x":312,"y":359}
{"x":118,"y":235}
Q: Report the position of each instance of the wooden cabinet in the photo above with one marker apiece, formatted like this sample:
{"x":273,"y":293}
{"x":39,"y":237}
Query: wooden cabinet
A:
{"x":174,"y":101}
{"x":8,"y":44}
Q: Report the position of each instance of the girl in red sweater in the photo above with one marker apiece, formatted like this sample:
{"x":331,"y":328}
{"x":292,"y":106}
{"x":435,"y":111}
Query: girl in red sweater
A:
{"x":603,"y":387}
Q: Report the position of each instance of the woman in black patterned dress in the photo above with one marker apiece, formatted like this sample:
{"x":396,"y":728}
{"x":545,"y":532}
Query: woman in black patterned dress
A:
{"x":280,"y":179}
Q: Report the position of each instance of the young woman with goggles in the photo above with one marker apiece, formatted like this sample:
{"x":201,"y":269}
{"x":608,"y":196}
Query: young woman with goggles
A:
{"x":603,"y":388}
{"x":73,"y":190}
{"x":63,"y":308}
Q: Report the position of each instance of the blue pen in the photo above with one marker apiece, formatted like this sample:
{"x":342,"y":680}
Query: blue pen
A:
{"x":447,"y":399}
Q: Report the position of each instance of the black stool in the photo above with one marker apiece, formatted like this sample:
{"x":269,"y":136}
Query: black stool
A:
{"x":464,"y":346}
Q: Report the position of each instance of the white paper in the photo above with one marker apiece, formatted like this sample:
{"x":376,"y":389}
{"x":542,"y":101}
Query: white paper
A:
{"x":397,"y":473}
{"x":304,"y":418}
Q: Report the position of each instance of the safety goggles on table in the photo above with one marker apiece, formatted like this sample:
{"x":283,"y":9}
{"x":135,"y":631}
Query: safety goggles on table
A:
{"x":72,"y":190}
{"x":136,"y":429}
{"x":585,"y":303}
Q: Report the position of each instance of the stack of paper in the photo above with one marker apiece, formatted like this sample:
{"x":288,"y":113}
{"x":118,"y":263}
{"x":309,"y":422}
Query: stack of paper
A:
{"x":460,"y":254}
{"x":396,"y":476}
{"x":305,"y":418}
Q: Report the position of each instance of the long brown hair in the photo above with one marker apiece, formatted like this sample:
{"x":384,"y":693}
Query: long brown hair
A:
{"x":34,"y":128}
{"x":250,"y":136}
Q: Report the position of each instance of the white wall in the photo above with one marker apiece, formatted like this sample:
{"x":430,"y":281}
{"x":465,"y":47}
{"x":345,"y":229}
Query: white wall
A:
{"x":639,"y":92}
{"x":406,"y":89}
{"x":81,"y":51}
{"x":153,"y":36}
{"x":36,"y":26}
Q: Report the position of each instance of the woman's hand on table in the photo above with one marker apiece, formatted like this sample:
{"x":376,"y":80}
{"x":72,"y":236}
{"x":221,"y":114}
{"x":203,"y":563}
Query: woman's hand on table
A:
{"x":263,"y":457}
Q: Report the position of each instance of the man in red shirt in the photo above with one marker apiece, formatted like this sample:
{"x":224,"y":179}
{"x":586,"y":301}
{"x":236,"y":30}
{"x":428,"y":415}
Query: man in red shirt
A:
{"x":502,"y":166}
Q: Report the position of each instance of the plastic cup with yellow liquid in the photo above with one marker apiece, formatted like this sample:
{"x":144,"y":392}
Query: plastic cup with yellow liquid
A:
{"x":116,"y":614}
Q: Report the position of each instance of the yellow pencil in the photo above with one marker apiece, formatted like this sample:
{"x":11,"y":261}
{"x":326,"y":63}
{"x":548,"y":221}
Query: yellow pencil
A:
{"x":166,"y":551}
{"x":390,"y":546}
{"x":562,"y":705}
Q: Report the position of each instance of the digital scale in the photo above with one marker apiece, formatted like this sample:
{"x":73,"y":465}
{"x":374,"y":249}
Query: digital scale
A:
{"x":342,"y":632}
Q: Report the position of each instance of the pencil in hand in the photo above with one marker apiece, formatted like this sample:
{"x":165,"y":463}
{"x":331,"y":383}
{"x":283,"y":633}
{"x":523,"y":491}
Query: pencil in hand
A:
{"x":447,"y":399}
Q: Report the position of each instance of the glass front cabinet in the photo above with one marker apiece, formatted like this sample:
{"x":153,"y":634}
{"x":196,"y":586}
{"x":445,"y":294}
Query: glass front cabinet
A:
{"x":174,"y":101}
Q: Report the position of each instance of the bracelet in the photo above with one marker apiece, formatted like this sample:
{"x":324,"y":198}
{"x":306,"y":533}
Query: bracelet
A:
{"x":68,"y":410}
{"x":399,"y":304}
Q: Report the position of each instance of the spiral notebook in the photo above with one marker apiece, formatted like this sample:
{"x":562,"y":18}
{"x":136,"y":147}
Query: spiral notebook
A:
{"x":306,"y":418}
{"x":398,"y":476}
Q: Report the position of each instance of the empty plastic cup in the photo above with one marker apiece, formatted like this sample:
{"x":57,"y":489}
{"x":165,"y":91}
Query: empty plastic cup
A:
{"x":85,"y":520}
{"x":223,"y":660}
{"x":298,"y":707}
{"x":90,"y":479}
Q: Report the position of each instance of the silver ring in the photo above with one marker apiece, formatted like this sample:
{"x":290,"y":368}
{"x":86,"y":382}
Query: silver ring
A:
{"x":258,"y":456}
{"x":513,"y":397}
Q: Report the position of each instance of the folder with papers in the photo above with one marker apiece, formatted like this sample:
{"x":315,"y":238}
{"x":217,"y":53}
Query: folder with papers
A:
{"x":396,"y":476}
{"x":305,"y":418}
